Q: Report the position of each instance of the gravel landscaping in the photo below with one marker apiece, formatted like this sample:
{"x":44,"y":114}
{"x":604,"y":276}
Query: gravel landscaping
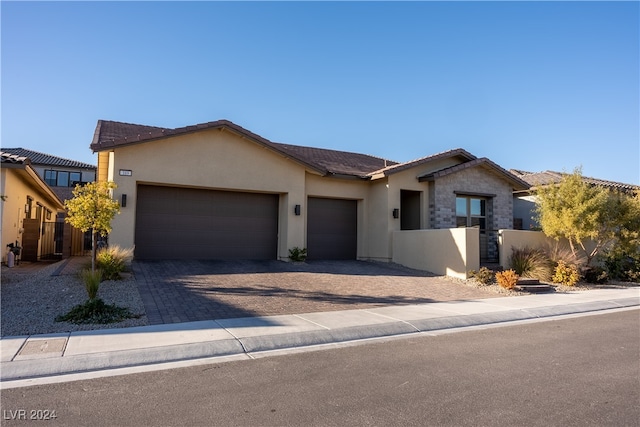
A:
{"x":30,"y":302}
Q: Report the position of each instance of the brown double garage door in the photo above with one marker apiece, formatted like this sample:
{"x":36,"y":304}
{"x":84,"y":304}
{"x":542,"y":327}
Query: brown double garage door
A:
{"x":187,"y":223}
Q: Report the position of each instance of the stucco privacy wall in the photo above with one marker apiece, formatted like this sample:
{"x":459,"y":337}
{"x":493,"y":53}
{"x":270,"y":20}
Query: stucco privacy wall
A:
{"x":510,"y":239}
{"x":472,"y":181}
{"x":452,"y":252}
{"x":208,"y":159}
{"x":16,"y":190}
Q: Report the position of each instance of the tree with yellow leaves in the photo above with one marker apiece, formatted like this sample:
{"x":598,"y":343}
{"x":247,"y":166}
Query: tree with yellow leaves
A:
{"x":579,"y":211}
{"x":92,"y":208}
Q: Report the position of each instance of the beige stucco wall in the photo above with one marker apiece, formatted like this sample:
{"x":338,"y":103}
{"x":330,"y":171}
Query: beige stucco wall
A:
{"x":221,"y":159}
{"x":451,"y":252}
{"x":16,"y":185}
{"x":211,"y":159}
{"x":509,"y":239}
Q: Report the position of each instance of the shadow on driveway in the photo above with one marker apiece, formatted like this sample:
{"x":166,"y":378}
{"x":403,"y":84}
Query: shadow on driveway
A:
{"x":191,"y":290}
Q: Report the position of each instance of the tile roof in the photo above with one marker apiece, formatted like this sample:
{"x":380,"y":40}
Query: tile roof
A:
{"x":38,"y":158}
{"x":337,"y":162}
{"x":518,"y":183}
{"x":14,"y":159}
{"x":536,"y":179}
{"x":327,"y":162}
{"x":111,"y":134}
{"x":398,"y":167}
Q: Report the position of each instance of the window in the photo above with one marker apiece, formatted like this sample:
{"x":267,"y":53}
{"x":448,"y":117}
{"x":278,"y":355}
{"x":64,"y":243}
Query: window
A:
{"x":471,"y":212}
{"x":50,"y":177}
{"x":62,"y":178}
{"x":28,"y":208}
{"x":74,"y":178}
{"x":48,"y":216}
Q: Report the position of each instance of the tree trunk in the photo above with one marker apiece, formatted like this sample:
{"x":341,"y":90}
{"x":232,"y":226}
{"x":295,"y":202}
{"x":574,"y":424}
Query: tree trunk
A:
{"x":93,"y":251}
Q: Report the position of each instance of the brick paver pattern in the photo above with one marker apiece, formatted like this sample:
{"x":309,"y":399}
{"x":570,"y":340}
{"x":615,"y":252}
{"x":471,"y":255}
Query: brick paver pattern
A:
{"x":187,"y":290}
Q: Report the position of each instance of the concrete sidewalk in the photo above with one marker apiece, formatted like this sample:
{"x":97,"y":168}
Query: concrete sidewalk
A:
{"x":37,"y":356}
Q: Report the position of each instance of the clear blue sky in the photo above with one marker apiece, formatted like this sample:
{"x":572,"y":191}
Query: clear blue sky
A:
{"x":530,"y":85}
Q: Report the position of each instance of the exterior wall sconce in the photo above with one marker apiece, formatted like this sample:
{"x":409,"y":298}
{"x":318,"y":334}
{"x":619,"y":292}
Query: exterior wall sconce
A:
{"x":296,"y":210}
{"x":396,"y":213}
{"x":123,"y":202}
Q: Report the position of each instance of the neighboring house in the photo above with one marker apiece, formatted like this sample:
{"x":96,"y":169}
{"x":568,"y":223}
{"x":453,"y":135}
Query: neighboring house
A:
{"x":60,"y":174}
{"x":218,"y":191}
{"x":28,"y":203}
{"x":524,"y":201}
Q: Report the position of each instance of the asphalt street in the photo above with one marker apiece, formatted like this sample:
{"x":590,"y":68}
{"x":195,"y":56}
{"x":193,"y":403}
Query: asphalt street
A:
{"x":579,"y":371}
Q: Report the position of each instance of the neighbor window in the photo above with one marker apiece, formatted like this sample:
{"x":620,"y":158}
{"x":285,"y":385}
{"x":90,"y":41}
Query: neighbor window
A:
{"x":62,"y":178}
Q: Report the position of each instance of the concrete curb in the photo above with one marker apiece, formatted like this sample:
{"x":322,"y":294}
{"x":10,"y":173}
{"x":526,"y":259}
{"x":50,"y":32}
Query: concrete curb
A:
{"x":112,"y":349}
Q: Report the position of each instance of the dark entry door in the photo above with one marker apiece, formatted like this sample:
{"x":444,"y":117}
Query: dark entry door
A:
{"x":332,"y":228}
{"x":30,"y":240}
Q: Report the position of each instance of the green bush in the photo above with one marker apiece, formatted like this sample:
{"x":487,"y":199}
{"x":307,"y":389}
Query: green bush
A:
{"x":297,"y":254}
{"x":566,"y":274}
{"x":595,"y":275}
{"x":623,"y":266}
{"x":112,"y":261}
{"x":91,"y":281}
{"x":484,"y":275}
{"x":531,"y":262}
{"x":95,"y":311}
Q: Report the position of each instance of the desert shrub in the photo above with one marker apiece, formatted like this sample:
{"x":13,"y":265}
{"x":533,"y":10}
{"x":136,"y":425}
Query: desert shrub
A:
{"x":484,"y":275}
{"x":595,"y":275}
{"x":531,"y":262}
{"x":623,"y":266}
{"x":566,"y":274}
{"x":507,"y":279}
{"x":556,"y":253}
{"x":91,"y":281}
{"x":297,"y":254}
{"x":112,"y":261}
{"x":95,"y":311}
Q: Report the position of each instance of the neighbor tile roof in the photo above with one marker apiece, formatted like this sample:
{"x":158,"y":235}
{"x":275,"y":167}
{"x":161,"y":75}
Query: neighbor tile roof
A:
{"x":328,"y":162}
{"x":14,"y":159}
{"x":38,"y":158}
{"x":537,"y":179}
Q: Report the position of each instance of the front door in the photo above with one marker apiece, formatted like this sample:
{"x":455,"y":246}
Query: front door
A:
{"x":30,"y":240}
{"x":471,"y":211}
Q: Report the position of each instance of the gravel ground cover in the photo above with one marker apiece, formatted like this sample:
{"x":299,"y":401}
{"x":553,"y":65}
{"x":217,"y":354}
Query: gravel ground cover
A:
{"x":29,"y":303}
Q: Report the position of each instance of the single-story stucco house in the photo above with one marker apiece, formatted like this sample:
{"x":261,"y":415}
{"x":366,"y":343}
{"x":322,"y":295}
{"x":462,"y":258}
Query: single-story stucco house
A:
{"x":218,"y":191}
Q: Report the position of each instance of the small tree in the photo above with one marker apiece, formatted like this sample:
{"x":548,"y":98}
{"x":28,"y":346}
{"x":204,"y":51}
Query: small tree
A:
{"x":578,"y":211}
{"x":92,"y":208}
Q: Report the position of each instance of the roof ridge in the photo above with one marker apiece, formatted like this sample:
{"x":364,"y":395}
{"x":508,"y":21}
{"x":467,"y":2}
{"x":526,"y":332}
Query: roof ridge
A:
{"x":335,"y":151}
{"x":402,"y":165}
{"x":131,"y":124}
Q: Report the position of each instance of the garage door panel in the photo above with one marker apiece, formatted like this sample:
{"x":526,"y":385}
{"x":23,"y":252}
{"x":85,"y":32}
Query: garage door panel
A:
{"x":182,"y":223}
{"x":332,"y":228}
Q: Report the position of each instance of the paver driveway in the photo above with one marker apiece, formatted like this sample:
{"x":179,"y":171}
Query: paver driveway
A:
{"x":185,"y":291}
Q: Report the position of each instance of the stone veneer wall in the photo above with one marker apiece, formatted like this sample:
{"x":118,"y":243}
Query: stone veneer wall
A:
{"x":473,"y":180}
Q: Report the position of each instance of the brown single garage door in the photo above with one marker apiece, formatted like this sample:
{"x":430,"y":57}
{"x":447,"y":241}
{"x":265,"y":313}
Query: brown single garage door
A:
{"x":186,"y":223}
{"x":332,"y":228}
